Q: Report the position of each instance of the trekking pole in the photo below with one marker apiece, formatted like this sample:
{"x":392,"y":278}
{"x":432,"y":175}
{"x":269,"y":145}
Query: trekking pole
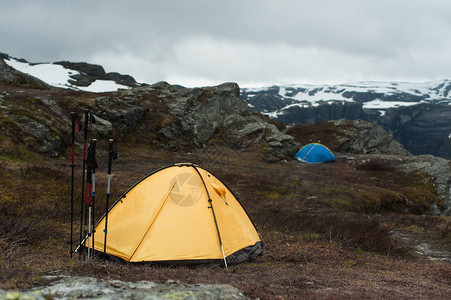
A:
{"x":91,"y":165}
{"x":93,"y":192}
{"x":75,"y":127}
{"x":112,"y":154}
{"x":88,"y":117}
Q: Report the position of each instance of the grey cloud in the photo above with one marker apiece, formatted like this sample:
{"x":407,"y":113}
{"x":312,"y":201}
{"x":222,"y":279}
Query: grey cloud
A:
{"x":169,"y":39}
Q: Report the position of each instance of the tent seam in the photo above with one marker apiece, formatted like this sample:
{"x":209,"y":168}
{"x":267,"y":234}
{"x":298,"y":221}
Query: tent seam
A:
{"x":153,"y":221}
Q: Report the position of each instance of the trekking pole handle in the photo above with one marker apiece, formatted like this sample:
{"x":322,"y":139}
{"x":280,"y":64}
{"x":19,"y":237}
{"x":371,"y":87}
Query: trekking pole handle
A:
{"x":110,"y":150}
{"x":74,"y":121}
{"x":86,"y":124}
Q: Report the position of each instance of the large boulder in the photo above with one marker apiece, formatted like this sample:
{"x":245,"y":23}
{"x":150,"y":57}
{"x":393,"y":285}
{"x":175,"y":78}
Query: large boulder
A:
{"x":356,"y":137}
{"x":365,"y":138}
{"x":204,"y":113}
{"x":122,"y":112}
{"x":93,"y":288}
{"x":38,"y":135}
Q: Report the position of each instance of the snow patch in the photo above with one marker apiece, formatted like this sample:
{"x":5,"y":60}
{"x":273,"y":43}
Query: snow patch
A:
{"x":379,"y":104}
{"x":52,"y":74}
{"x":99,"y":86}
{"x":58,"y":76}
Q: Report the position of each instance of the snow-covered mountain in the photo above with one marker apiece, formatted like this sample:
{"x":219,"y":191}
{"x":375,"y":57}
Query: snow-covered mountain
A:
{"x":77,"y":76}
{"x":276,"y":101}
{"x":418,"y":115}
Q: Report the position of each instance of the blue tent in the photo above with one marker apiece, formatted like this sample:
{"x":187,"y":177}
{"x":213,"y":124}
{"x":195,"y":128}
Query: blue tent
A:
{"x":315,"y":154}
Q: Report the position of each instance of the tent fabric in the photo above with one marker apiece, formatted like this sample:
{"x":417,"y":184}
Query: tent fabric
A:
{"x":315,"y":154}
{"x":169,"y":216}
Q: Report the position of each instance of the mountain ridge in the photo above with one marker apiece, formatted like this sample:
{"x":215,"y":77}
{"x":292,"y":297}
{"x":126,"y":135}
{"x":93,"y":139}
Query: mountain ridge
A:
{"x":72,"y":75}
{"x":411,"y":112}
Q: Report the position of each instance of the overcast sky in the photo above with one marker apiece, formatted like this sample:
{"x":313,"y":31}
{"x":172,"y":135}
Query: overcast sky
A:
{"x":251,"y":42}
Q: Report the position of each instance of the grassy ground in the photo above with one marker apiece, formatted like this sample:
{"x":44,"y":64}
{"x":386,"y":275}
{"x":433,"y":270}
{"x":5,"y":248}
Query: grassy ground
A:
{"x":326,"y":228}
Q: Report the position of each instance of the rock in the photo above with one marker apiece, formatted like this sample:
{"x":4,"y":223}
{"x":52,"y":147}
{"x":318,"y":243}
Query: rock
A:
{"x":102,"y":127}
{"x":44,"y":140}
{"x":440,"y":170}
{"x":365,"y":138}
{"x":90,"y":73}
{"x":2,"y":100}
{"x":123,"y":112}
{"x":204,"y":113}
{"x":92,"y":288}
{"x":15,"y":295}
{"x":12,"y":76}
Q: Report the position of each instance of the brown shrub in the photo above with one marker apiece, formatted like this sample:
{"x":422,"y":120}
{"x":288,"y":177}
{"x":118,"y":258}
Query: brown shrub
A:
{"x":354,"y":231}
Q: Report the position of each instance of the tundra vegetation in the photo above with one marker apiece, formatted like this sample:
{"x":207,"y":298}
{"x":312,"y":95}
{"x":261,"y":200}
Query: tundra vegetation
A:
{"x":330,"y":230}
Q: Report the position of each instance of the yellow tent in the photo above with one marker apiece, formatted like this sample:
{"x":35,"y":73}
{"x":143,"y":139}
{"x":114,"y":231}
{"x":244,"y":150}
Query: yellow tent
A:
{"x":178,"y":214}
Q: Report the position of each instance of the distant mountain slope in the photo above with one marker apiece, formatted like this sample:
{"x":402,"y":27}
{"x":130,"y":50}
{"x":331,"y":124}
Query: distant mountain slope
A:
{"x":70,"y":75}
{"x":277,"y":100}
{"x":417,"y":114}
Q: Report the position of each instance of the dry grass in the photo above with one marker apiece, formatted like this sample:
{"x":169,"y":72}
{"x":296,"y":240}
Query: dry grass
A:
{"x":326,"y":228}
{"x":312,"y":250}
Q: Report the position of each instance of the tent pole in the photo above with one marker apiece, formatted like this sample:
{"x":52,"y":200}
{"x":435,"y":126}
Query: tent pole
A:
{"x":214,"y":215}
{"x":217,"y":227}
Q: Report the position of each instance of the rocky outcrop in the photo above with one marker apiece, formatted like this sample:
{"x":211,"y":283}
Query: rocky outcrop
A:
{"x":204,"y":113}
{"x":440,"y":170}
{"x":421,"y":129}
{"x":40,"y":136}
{"x":168,"y":116}
{"x":92,"y":288}
{"x":123,"y":113}
{"x":437,"y":168}
{"x":12,"y":76}
{"x":365,"y":138}
{"x":90,"y":73}
{"x":356,"y":137}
